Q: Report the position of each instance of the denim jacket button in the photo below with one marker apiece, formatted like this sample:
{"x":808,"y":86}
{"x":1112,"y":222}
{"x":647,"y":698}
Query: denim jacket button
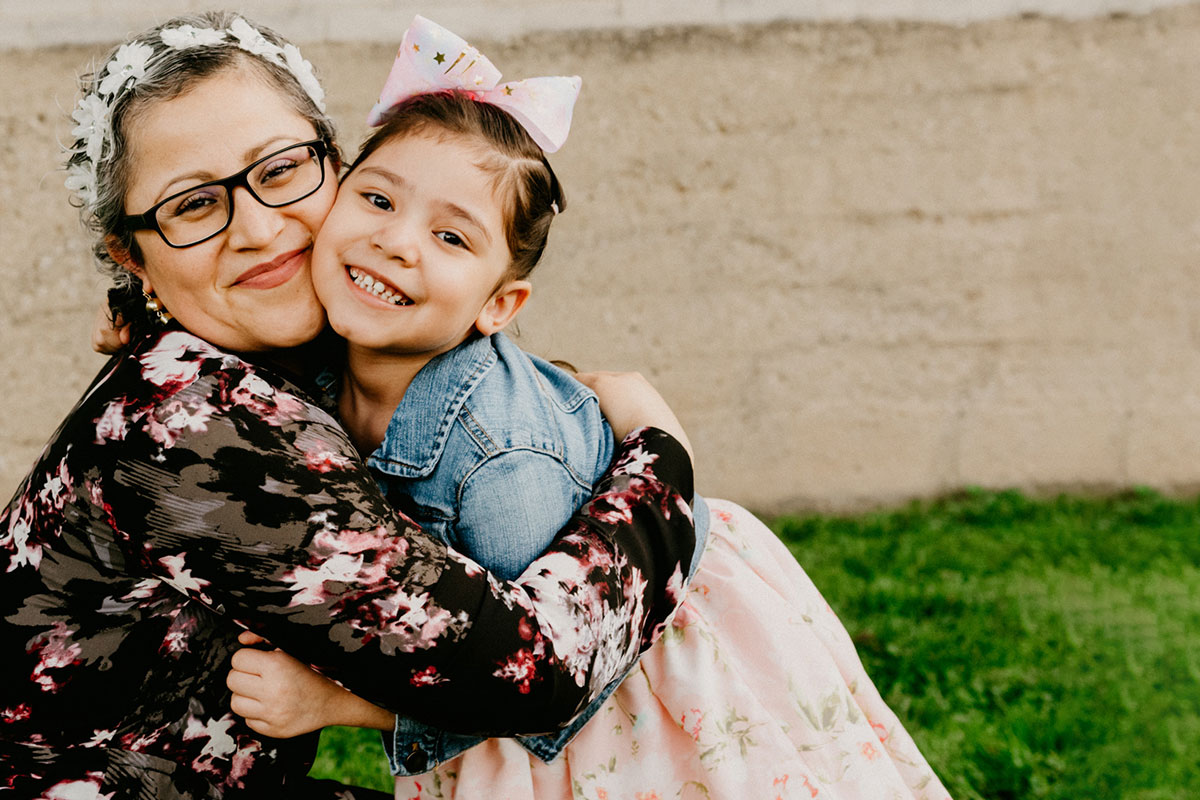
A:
{"x":416,"y":761}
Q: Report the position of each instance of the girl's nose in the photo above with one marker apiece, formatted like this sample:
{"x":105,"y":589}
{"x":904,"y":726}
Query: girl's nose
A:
{"x":254,"y":226}
{"x":398,"y":240}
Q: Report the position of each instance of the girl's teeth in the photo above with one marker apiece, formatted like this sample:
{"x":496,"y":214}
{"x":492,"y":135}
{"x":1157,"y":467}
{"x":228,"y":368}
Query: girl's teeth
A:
{"x":377,"y":288}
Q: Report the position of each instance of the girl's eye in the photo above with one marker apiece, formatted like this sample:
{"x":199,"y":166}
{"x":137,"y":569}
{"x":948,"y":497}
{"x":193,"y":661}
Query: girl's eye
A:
{"x":451,"y":238}
{"x":378,"y":200}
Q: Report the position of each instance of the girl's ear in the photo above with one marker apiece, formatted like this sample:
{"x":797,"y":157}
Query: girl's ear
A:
{"x":119,"y":253}
{"x":502,"y":308}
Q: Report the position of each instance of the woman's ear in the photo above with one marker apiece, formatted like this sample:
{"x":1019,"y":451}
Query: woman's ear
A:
{"x":119,"y":252}
{"x":503,"y":306}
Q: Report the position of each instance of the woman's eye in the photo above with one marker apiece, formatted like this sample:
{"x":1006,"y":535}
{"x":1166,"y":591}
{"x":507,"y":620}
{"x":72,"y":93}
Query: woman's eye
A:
{"x":451,"y":238}
{"x":378,"y":200}
{"x":277,"y":170}
{"x":192,"y":204}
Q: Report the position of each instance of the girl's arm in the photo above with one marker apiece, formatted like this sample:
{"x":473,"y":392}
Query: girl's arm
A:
{"x":254,"y":503}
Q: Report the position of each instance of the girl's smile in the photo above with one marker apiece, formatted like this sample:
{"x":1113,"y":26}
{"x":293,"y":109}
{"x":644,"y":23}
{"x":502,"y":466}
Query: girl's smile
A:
{"x":413,"y":257}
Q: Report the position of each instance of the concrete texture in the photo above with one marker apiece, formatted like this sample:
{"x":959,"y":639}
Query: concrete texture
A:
{"x":53,"y":22}
{"x":865,"y":261}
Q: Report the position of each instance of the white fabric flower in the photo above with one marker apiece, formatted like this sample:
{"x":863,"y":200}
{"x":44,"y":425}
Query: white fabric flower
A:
{"x":129,"y":62}
{"x":81,"y":179}
{"x":252,"y":41}
{"x":187,"y":36}
{"x":91,"y":116}
{"x":303,"y":70}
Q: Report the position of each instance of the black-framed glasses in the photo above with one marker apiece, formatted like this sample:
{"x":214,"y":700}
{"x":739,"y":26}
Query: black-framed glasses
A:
{"x":201,"y":212}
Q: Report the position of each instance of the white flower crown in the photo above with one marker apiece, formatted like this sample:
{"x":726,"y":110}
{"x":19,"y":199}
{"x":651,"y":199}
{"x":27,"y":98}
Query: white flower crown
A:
{"x":93,"y":113}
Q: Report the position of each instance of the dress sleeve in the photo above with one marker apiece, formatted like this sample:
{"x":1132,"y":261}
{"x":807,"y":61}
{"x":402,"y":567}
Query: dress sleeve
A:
{"x":254,"y":503}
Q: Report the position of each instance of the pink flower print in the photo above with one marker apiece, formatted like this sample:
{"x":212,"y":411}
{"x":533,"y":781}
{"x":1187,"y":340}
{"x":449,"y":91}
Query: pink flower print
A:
{"x":781,"y":781}
{"x":139,"y":742}
{"x":218,"y":747}
{"x":520,"y":668}
{"x":16,"y":539}
{"x":652,"y":795}
{"x":270,"y":405}
{"x":55,"y":651}
{"x":182,"y":580}
{"x":111,"y":425}
{"x":178,"y":635}
{"x":86,"y":789}
{"x":880,"y":731}
{"x":16,"y":714}
{"x":172,"y":363}
{"x":692,"y":721}
{"x":100,"y":738}
{"x":724,"y":516}
{"x":427,"y":677}
{"x":869,"y":751}
{"x":601,"y":794}
{"x":635,"y":462}
{"x":242,"y":761}
{"x":326,"y":460}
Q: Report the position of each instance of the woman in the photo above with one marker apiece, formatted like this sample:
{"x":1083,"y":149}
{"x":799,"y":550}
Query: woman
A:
{"x":195,"y":491}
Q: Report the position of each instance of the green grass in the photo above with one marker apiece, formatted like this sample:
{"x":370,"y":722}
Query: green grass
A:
{"x":1034,"y":648}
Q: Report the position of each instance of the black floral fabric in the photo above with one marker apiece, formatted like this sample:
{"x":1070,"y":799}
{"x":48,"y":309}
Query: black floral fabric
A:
{"x":192,"y":494}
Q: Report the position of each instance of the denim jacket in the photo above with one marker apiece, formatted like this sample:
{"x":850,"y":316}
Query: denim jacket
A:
{"x":493,"y":450}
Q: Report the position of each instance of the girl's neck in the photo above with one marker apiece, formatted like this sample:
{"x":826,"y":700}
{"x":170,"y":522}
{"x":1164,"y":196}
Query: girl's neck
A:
{"x":373,"y":385}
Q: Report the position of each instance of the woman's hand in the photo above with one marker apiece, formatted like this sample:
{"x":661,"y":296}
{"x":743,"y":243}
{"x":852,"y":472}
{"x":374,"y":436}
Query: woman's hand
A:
{"x":281,"y":697}
{"x":629,"y":402}
{"x":110,"y":333}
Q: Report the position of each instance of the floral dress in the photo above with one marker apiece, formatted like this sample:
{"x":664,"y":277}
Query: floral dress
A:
{"x":191,"y":495}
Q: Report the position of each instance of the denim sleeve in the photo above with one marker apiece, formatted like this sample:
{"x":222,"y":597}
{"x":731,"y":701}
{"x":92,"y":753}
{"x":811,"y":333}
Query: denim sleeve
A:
{"x":511,"y":506}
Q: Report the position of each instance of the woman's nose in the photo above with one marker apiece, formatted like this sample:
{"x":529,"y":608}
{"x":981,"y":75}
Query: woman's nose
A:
{"x":254,"y":226}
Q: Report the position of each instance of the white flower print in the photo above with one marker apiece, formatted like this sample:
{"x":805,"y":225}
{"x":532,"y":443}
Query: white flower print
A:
{"x":129,"y":62}
{"x":88,"y":789}
{"x":303,"y":70}
{"x":252,"y":41}
{"x":188,"y":36}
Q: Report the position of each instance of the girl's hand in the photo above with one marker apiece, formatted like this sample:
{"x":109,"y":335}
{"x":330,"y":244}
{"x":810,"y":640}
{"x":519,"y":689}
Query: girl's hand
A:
{"x":629,"y":402}
{"x":109,"y":331}
{"x":281,"y":697}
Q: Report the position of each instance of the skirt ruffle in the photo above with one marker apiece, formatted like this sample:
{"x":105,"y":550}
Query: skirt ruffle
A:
{"x":754,"y":691}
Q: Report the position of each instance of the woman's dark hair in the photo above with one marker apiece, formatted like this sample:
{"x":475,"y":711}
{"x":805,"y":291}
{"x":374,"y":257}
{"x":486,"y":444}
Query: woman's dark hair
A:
{"x":530,"y":192}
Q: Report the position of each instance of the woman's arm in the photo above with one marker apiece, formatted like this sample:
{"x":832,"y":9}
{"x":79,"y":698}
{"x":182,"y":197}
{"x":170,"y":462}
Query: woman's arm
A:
{"x":253,"y":503}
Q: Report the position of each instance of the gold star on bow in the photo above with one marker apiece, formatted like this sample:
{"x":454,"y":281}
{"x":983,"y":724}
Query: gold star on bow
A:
{"x":508,"y":90}
{"x":440,"y":58}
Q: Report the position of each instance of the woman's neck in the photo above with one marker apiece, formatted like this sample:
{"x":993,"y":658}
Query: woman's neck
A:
{"x":373,"y":385}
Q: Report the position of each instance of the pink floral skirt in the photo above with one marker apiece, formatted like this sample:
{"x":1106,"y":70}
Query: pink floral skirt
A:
{"x":755,"y":691}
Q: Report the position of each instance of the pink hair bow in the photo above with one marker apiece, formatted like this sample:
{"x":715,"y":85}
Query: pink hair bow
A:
{"x":432,"y":59}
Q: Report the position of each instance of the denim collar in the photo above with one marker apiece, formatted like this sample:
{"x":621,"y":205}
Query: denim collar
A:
{"x":417,"y":432}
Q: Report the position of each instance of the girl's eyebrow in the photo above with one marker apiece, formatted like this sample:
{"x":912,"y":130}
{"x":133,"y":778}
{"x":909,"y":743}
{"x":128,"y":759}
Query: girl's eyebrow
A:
{"x":453,"y":208}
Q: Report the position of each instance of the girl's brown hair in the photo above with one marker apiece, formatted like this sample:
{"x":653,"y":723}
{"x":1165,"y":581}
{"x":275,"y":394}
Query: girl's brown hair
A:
{"x":527,"y":186}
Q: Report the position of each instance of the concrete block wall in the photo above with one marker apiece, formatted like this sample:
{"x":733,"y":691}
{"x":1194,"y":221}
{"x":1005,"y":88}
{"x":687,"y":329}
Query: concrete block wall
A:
{"x":865,"y":261}
{"x":53,"y":22}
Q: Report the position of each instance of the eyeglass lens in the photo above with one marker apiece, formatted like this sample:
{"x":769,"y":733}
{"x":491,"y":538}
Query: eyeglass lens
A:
{"x":277,"y":180}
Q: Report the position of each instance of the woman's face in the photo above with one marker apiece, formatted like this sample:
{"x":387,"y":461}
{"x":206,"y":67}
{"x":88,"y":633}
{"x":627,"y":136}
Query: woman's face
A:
{"x":249,"y":287}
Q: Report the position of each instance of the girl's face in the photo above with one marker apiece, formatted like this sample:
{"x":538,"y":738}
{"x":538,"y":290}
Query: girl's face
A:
{"x":249,"y":287}
{"x":413,"y":257}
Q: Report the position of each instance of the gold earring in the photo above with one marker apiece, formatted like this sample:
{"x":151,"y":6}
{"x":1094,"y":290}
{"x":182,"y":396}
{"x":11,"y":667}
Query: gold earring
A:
{"x":155,"y":310}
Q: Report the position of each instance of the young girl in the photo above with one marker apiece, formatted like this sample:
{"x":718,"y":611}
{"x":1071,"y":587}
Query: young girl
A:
{"x":755,"y":691}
